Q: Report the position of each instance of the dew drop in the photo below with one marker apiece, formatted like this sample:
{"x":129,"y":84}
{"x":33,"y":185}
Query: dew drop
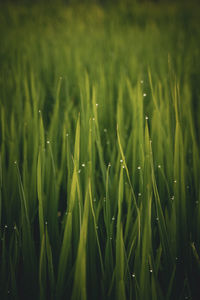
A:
{"x":144,"y":95}
{"x":48,"y":142}
{"x":83,"y":165}
{"x":105,"y":130}
{"x":113,"y":218}
{"x":139,"y":194}
{"x":133,"y":275}
{"x":139,"y":168}
{"x":159,"y":166}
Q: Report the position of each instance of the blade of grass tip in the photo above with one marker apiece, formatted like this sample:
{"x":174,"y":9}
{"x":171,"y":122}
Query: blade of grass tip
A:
{"x":79,"y":286}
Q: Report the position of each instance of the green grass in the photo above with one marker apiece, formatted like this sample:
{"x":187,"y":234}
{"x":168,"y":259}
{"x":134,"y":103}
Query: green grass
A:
{"x":99,"y":151}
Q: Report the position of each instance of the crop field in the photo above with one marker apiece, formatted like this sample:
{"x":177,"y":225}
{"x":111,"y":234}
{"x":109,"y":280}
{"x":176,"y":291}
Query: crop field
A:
{"x":100,"y":150}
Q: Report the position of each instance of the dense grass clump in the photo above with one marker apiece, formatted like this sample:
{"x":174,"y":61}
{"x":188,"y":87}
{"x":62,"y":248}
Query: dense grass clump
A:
{"x":99,"y":152}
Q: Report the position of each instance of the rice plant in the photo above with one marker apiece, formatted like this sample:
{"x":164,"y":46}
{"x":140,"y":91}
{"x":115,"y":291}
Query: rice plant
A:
{"x":99,"y":151}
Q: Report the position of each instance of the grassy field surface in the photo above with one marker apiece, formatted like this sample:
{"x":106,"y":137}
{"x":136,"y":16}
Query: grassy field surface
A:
{"x":100,"y":151}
